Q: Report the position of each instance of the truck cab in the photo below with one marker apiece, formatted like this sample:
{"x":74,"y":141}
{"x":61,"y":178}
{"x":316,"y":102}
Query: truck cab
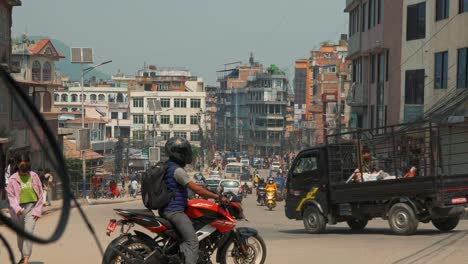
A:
{"x":419,"y":176}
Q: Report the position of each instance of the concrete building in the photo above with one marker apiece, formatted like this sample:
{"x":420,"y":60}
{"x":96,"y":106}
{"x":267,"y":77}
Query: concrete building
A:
{"x":302,"y":91}
{"x":375,"y":37}
{"x":434,"y":55}
{"x":112,"y":102}
{"x":266,"y":104}
{"x":228,"y":97}
{"x":327,"y":113}
{"x":36,"y":75}
{"x":180,"y":115}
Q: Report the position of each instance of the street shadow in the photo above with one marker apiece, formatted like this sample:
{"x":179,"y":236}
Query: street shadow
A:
{"x":367,"y":231}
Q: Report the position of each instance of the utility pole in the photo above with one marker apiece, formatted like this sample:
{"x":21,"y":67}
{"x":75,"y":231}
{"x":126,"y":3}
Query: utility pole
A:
{"x":237,"y":120}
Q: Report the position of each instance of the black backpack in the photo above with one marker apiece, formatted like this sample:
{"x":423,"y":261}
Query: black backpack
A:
{"x":154,"y":191}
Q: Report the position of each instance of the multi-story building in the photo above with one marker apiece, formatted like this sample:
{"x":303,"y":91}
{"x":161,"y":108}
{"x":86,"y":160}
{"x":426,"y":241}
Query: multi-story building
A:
{"x":302,"y":91}
{"x":180,"y":114}
{"x":230,"y":115}
{"x":111,"y":101}
{"x":37,"y":77}
{"x":375,"y":35}
{"x":329,"y":72}
{"x":266,"y":104}
{"x":6,"y":11}
{"x":409,"y":58}
{"x":434,"y":55}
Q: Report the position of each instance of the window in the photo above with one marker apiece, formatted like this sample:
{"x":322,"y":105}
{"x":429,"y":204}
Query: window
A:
{"x":441,"y":70}
{"x":416,"y":21}
{"x":150,"y":119}
{"x":194,"y":120}
{"x":387,"y":62}
{"x":371,"y":15}
{"x":165,"y":119}
{"x":125,"y":115}
{"x":138,"y":119}
{"x":164,"y":87}
{"x":93,"y":97}
{"x":354,"y":22}
{"x":64,"y":98}
{"x":180,"y":120}
{"x":148,"y":87}
{"x":36,"y":71}
{"x":46,"y":72}
{"x":373,"y":68}
{"x":165,"y":102}
{"x":379,"y":11}
{"x":194,"y":136}
{"x":364,"y":17}
{"x":74,"y":98}
{"x":114,"y":115}
{"x":442,"y":9}
{"x":357,"y":73}
{"x":101,"y":97}
{"x":462,"y":71}
{"x":195,"y":103}
{"x":138,"y":135}
{"x":56,"y":97}
{"x":176,"y":85}
{"x":180,"y":134}
{"x":331,"y":69}
{"x":166,"y":135}
{"x":138,"y":102}
{"x":180,"y":103}
{"x":463,"y":6}
{"x":414,"y":87}
{"x":305,"y":164}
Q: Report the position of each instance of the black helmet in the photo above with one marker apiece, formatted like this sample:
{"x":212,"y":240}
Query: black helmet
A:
{"x":179,"y":149}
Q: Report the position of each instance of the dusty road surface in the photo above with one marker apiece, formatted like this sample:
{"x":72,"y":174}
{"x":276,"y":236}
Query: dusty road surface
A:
{"x":286,"y":240}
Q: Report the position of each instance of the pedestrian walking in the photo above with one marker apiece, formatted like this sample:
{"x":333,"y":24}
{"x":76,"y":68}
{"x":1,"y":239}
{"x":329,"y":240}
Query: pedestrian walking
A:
{"x":25,"y":198}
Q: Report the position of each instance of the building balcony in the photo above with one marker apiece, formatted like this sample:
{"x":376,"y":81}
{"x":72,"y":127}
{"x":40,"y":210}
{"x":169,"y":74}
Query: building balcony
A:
{"x":354,"y":44}
{"x":358,"y":95}
{"x":119,"y":105}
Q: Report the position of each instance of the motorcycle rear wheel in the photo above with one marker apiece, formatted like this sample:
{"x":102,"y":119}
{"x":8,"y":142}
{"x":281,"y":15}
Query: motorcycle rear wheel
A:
{"x":141,"y":247}
{"x":256,"y":252}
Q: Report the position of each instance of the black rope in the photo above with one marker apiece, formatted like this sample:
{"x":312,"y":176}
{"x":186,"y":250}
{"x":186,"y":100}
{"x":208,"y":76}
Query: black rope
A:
{"x":8,"y":247}
{"x":16,"y":91}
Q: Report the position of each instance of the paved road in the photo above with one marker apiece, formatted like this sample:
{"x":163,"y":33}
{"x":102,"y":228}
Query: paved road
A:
{"x":286,"y":240}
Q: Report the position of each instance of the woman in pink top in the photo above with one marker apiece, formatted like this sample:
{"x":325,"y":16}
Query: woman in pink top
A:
{"x":25,"y":197}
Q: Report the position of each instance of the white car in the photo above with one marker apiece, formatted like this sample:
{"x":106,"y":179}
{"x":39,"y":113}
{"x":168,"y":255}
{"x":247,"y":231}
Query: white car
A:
{"x":245,"y":162}
{"x":230,"y":185}
{"x":275,"y":166}
{"x":214,"y":174}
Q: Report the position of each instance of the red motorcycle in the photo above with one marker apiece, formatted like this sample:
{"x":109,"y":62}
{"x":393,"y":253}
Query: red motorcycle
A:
{"x":215,"y":226}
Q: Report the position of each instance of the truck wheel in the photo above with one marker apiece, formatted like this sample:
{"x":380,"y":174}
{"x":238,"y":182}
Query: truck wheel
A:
{"x":446,"y":224}
{"x":357,"y":224}
{"x":402,"y":219}
{"x":314,"y":221}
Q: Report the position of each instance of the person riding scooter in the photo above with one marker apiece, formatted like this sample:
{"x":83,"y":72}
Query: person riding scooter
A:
{"x":271,"y":190}
{"x":261,"y":192}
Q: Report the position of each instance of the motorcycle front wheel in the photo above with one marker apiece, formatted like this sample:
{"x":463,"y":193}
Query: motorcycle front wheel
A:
{"x":256,"y":252}
{"x":120,"y":245}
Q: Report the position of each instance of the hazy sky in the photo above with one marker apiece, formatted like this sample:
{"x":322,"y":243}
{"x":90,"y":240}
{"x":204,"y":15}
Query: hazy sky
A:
{"x":200,"y":35}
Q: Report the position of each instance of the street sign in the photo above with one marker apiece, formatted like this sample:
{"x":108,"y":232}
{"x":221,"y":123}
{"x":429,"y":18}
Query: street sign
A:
{"x":144,"y":152}
{"x":83,"y":141}
{"x":154,"y":154}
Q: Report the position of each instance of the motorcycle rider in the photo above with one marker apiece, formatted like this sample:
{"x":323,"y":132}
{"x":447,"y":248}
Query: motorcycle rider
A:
{"x":261,"y":186}
{"x":271,"y":185}
{"x":245,"y":187}
{"x":179,"y":151}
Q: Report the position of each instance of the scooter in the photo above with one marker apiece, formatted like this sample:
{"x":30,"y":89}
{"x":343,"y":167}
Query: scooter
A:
{"x":271,"y":199}
{"x":261,"y":194}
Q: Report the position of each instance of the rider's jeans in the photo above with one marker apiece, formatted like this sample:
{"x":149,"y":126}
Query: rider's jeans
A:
{"x":185,"y":228}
